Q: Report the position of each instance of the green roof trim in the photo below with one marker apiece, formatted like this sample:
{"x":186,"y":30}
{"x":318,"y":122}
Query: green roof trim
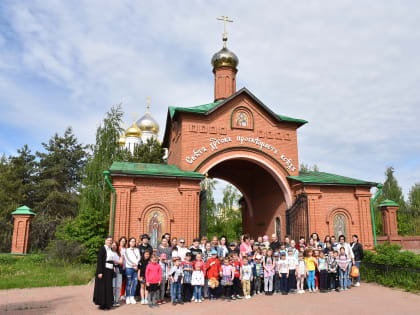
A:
{"x":150,"y":169}
{"x":297,"y":120}
{"x":310,"y":177}
{"x":24,"y":210}
{"x":200,"y":109}
{"x":388,"y":203}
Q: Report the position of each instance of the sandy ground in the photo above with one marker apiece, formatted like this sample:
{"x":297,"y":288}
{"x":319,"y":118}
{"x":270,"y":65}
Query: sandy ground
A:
{"x":366,"y":299}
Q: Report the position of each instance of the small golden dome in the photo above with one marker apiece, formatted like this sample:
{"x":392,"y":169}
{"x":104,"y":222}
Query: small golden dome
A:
{"x":121,"y":140}
{"x":147,"y":123}
{"x":133,"y":131}
{"x":224,"y":58}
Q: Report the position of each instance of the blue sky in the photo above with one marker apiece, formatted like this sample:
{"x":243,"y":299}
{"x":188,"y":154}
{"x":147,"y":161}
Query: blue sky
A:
{"x":349,"y":67}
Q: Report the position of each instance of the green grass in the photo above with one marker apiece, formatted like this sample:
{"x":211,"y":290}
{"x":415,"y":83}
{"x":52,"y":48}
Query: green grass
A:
{"x":36,"y":271}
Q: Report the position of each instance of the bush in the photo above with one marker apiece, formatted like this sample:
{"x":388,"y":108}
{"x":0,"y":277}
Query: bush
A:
{"x":67,"y":251}
{"x":392,"y":267}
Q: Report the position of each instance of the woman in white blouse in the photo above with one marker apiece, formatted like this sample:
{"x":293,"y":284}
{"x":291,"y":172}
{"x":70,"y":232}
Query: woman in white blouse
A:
{"x":131,"y":259}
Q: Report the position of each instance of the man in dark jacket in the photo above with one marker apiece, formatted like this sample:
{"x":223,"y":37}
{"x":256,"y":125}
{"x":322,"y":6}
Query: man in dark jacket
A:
{"x":144,"y":245}
{"x":357,"y":249}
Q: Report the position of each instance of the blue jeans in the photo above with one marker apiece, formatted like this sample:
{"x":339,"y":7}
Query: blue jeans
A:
{"x":344,"y":275}
{"x":283,"y":282}
{"x":197,"y":292}
{"x":349,"y":279}
{"x":176,"y":291}
{"x":130,"y":288}
{"x":311,"y":279}
{"x":358,"y":266}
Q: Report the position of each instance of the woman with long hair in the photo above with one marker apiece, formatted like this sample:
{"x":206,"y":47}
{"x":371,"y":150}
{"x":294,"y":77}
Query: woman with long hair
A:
{"x":122,"y":246}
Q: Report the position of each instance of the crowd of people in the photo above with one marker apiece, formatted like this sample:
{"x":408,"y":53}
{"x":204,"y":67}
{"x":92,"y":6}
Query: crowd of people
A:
{"x":217,"y":269}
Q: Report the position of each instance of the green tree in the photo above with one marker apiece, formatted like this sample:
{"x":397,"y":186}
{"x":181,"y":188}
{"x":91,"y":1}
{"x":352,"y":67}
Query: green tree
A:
{"x":58,"y":179}
{"x":414,"y":198}
{"x":226,"y":217}
{"x":91,"y":225}
{"x":17,"y":188}
{"x":308,"y":168}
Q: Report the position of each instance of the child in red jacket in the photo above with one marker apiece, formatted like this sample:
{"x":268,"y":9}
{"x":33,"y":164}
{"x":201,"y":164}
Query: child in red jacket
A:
{"x":214,"y":270}
{"x":153,"y":279}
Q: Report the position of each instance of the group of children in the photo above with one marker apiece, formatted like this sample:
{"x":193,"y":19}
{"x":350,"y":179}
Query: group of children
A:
{"x":235,"y":276}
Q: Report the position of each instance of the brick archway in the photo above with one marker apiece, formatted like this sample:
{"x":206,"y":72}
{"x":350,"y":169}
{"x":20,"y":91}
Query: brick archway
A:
{"x":262,"y":183}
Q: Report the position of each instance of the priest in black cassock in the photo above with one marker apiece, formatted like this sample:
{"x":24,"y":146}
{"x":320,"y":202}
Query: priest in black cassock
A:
{"x":103,"y":294}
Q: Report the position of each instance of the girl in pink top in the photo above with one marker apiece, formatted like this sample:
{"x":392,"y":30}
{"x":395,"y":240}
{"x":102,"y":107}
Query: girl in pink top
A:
{"x":227,"y":278}
{"x":153,"y":279}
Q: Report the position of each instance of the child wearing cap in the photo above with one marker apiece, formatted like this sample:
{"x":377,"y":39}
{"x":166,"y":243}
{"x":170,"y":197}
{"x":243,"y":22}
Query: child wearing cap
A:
{"x":214,"y":270}
{"x":165,"y":272}
{"x":293,"y":264}
{"x":176,"y":278}
{"x":258,"y":274}
{"x":283,"y":268}
{"x":187,"y":268}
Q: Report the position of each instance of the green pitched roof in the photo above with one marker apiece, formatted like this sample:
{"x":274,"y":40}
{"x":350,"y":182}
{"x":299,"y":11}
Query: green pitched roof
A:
{"x":200,"y":109}
{"x":310,"y":177}
{"x":388,"y":202}
{"x":150,"y":169}
{"x":24,"y":210}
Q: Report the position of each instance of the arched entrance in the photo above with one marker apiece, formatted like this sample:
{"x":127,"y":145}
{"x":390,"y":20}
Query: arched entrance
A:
{"x":265,"y":192}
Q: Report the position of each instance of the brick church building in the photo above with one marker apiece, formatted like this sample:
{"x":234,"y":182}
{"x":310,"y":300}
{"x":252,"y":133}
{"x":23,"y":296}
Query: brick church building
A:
{"x":239,"y":139}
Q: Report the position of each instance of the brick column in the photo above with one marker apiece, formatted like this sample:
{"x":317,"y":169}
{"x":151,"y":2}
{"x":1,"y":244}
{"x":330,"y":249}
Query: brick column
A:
{"x":191,"y":211}
{"x":365,"y":221}
{"x":22,"y":218}
{"x":314,"y":194}
{"x":124,"y":214}
{"x":389,"y":217}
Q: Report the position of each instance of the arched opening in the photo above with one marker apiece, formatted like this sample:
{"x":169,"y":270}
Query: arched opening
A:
{"x":263,"y":205}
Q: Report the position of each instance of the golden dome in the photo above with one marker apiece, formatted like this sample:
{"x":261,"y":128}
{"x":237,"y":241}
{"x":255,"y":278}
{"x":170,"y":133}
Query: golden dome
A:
{"x":147,"y":123}
{"x":121,"y":140}
{"x":133,"y":131}
{"x":224,"y":58}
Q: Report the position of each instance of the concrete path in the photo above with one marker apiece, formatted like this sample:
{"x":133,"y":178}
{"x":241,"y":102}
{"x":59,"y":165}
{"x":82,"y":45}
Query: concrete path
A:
{"x":366,"y":299}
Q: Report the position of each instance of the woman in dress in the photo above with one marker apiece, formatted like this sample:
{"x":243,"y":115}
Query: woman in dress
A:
{"x":103,"y":292}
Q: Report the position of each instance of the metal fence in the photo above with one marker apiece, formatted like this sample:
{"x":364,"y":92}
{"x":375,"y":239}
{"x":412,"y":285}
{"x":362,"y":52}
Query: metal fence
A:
{"x":297,"y":219}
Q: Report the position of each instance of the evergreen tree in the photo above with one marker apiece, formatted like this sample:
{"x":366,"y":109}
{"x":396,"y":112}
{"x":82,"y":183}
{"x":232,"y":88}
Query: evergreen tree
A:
{"x":17,"y":187}
{"x":58,"y":179}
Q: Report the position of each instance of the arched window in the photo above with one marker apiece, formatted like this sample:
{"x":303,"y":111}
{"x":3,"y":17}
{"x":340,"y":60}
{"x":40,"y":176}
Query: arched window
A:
{"x":277,"y":228}
{"x":340,"y":225}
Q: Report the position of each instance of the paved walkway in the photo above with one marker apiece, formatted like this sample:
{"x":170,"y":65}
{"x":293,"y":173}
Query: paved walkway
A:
{"x":366,"y":299}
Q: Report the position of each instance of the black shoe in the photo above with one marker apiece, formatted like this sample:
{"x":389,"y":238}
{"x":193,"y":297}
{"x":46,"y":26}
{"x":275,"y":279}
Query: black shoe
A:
{"x":181,"y":302}
{"x":233,"y":298}
{"x":173,"y":302}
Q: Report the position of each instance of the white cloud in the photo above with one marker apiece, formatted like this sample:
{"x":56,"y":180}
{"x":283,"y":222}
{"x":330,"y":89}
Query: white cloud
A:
{"x":349,"y":67}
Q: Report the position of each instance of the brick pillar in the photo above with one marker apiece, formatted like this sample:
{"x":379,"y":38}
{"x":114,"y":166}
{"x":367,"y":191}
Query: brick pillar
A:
{"x":224,"y":82}
{"x":365,"y":221}
{"x":314,"y":194}
{"x":22,"y":218}
{"x":190,"y":218}
{"x":124,"y":214}
{"x":389,"y":217}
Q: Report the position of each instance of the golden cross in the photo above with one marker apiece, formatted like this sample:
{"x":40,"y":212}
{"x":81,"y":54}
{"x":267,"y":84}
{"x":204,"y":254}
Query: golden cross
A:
{"x":148,"y":103}
{"x":224,"y":19}
{"x":134,"y":116}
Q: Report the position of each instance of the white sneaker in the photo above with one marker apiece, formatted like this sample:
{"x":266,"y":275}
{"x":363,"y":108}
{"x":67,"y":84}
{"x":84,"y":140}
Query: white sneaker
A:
{"x":193,"y":298}
{"x":199,"y":301}
{"x":196,"y":301}
{"x":145,"y":302}
{"x":133,"y":300}
{"x":128,"y":300}
{"x":357,"y":284}
{"x":142,"y":301}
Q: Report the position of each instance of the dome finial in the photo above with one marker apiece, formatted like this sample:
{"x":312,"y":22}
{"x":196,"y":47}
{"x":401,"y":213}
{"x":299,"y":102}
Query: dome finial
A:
{"x":148,"y":104}
{"x":224,"y":19}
